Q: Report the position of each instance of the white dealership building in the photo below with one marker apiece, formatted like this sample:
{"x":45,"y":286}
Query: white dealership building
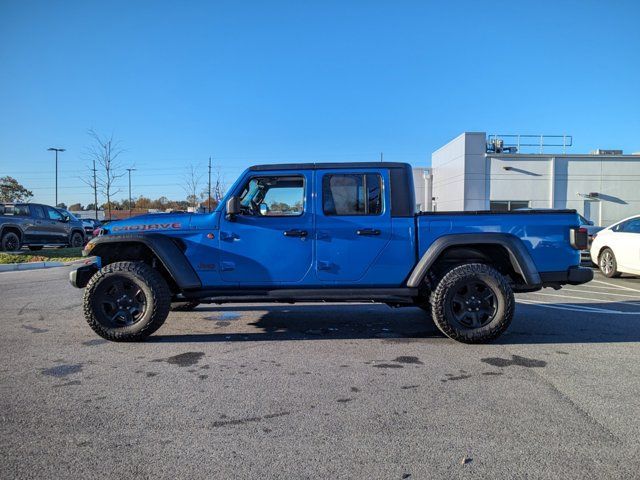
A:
{"x":479,"y":172}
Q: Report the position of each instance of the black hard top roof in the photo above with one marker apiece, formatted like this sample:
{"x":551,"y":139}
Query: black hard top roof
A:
{"x":318,"y":166}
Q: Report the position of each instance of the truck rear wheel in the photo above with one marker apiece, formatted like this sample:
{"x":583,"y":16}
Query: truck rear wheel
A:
{"x":126,"y":301}
{"x":472,"y":303}
{"x":10,"y":242}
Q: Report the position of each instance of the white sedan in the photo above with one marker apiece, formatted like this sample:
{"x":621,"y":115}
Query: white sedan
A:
{"x":616,"y":249}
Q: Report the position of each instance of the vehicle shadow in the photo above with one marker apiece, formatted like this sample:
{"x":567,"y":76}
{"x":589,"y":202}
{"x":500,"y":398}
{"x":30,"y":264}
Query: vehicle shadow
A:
{"x":532,"y":324}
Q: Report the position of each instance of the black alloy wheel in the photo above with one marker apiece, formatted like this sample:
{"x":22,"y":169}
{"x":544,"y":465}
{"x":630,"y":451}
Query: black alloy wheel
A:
{"x":10,"y":242}
{"x":473,"y":305}
{"x":76,"y":240}
{"x":121,"y":301}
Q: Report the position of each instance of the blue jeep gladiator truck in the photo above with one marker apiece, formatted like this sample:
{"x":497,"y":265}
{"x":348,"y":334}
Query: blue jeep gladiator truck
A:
{"x":333,"y":232}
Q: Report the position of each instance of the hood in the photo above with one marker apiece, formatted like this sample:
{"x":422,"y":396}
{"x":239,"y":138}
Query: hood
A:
{"x":151,"y":222}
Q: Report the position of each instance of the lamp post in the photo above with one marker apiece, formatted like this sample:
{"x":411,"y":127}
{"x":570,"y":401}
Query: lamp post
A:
{"x":52,"y":149}
{"x":130,"y":170}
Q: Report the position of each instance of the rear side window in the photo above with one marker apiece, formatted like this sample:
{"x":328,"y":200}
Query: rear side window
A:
{"x":36,"y":211}
{"x":352,"y":194}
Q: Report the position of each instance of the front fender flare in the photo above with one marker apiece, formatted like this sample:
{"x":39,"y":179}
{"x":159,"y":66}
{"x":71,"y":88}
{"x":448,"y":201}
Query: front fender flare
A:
{"x":164,"y":248}
{"x":518,"y":255}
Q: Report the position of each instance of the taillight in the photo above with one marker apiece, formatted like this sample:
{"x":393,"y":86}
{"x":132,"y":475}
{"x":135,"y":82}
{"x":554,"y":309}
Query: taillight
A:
{"x":579,"y":238}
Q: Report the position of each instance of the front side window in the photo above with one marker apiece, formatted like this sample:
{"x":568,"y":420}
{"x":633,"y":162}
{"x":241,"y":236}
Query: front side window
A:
{"x":631,"y":226}
{"x":53,"y":214}
{"x":352,"y":194}
{"x":273,"y":196}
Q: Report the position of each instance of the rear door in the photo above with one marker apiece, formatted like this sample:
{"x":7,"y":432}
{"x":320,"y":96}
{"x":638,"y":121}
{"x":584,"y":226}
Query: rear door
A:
{"x":28,"y":222}
{"x":38,"y":233}
{"x":271,"y":241}
{"x":353,"y":222}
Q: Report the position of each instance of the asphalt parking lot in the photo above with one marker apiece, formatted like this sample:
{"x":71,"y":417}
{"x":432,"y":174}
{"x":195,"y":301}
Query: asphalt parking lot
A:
{"x":328,"y":391}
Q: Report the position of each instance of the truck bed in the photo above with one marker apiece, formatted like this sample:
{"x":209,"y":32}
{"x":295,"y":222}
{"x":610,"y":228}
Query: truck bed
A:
{"x":545,"y":233}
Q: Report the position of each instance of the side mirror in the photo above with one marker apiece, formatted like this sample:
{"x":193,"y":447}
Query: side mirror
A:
{"x":233,"y":207}
{"x":65,"y":218}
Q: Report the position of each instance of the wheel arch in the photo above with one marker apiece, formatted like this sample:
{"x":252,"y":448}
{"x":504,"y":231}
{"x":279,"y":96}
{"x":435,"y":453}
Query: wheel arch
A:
{"x":505,"y":250}
{"x":163,"y":252}
{"x":11,"y":228}
{"x":76,"y":230}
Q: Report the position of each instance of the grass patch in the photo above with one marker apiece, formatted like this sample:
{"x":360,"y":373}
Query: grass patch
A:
{"x":44,"y":255}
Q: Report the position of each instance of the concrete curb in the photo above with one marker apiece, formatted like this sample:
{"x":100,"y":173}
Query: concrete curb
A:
{"x":14,"y":267}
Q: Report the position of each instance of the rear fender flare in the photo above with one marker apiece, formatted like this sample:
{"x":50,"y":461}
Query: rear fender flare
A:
{"x":164,"y":248}
{"x":519,"y":256}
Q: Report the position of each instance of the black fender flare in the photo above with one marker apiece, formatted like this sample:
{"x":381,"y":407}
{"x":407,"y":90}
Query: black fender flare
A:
{"x":12,"y":226}
{"x":163,"y":247}
{"x":519,"y":256}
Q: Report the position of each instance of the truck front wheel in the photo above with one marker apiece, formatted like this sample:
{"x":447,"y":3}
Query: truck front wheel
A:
{"x":472,"y":303}
{"x":126,"y":301}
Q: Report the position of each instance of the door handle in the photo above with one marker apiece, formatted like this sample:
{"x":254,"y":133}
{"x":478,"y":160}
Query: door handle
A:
{"x":368,"y":231}
{"x":295,"y":233}
{"x":229,"y":236}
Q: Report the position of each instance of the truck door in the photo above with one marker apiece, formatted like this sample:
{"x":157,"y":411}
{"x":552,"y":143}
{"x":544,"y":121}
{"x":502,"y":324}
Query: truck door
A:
{"x":271,"y":240}
{"x":353,"y":223}
{"x":55,"y":227}
{"x":37,"y":232}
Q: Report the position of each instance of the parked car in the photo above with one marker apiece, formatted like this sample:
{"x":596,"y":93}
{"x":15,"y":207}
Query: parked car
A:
{"x":34,"y":225}
{"x":339,"y":232}
{"x":616,"y":249}
{"x":90,"y":226}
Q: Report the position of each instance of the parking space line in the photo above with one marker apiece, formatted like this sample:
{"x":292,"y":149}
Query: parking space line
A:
{"x":622,"y":287}
{"x":565,"y":289}
{"x":575,"y":308}
{"x":563,"y":296}
{"x":590,"y":285}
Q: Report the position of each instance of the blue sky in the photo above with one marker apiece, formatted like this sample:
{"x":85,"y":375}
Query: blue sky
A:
{"x":261,"y":82}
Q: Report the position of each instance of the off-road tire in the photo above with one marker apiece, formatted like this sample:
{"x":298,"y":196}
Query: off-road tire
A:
{"x":184,"y":306}
{"x":35,"y":248}
{"x":76,"y":240}
{"x":607,"y":255}
{"x":448,"y":285}
{"x":154,"y":288}
{"x":10,"y":242}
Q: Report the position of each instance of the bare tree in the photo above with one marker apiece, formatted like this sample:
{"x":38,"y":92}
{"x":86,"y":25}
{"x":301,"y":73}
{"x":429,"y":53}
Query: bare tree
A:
{"x":105,"y":152}
{"x":191,"y":183}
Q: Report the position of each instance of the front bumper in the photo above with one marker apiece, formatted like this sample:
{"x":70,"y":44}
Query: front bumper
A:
{"x":80,"y":277}
{"x":573,"y":276}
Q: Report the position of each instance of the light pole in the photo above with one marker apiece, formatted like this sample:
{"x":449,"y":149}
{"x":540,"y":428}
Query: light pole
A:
{"x":130,"y":170}
{"x":52,"y":149}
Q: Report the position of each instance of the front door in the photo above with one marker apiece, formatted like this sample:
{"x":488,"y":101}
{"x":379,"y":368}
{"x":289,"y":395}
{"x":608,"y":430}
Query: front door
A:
{"x":271,"y":240}
{"x":55,"y":226}
{"x":353,"y":223}
{"x":627,"y":246}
